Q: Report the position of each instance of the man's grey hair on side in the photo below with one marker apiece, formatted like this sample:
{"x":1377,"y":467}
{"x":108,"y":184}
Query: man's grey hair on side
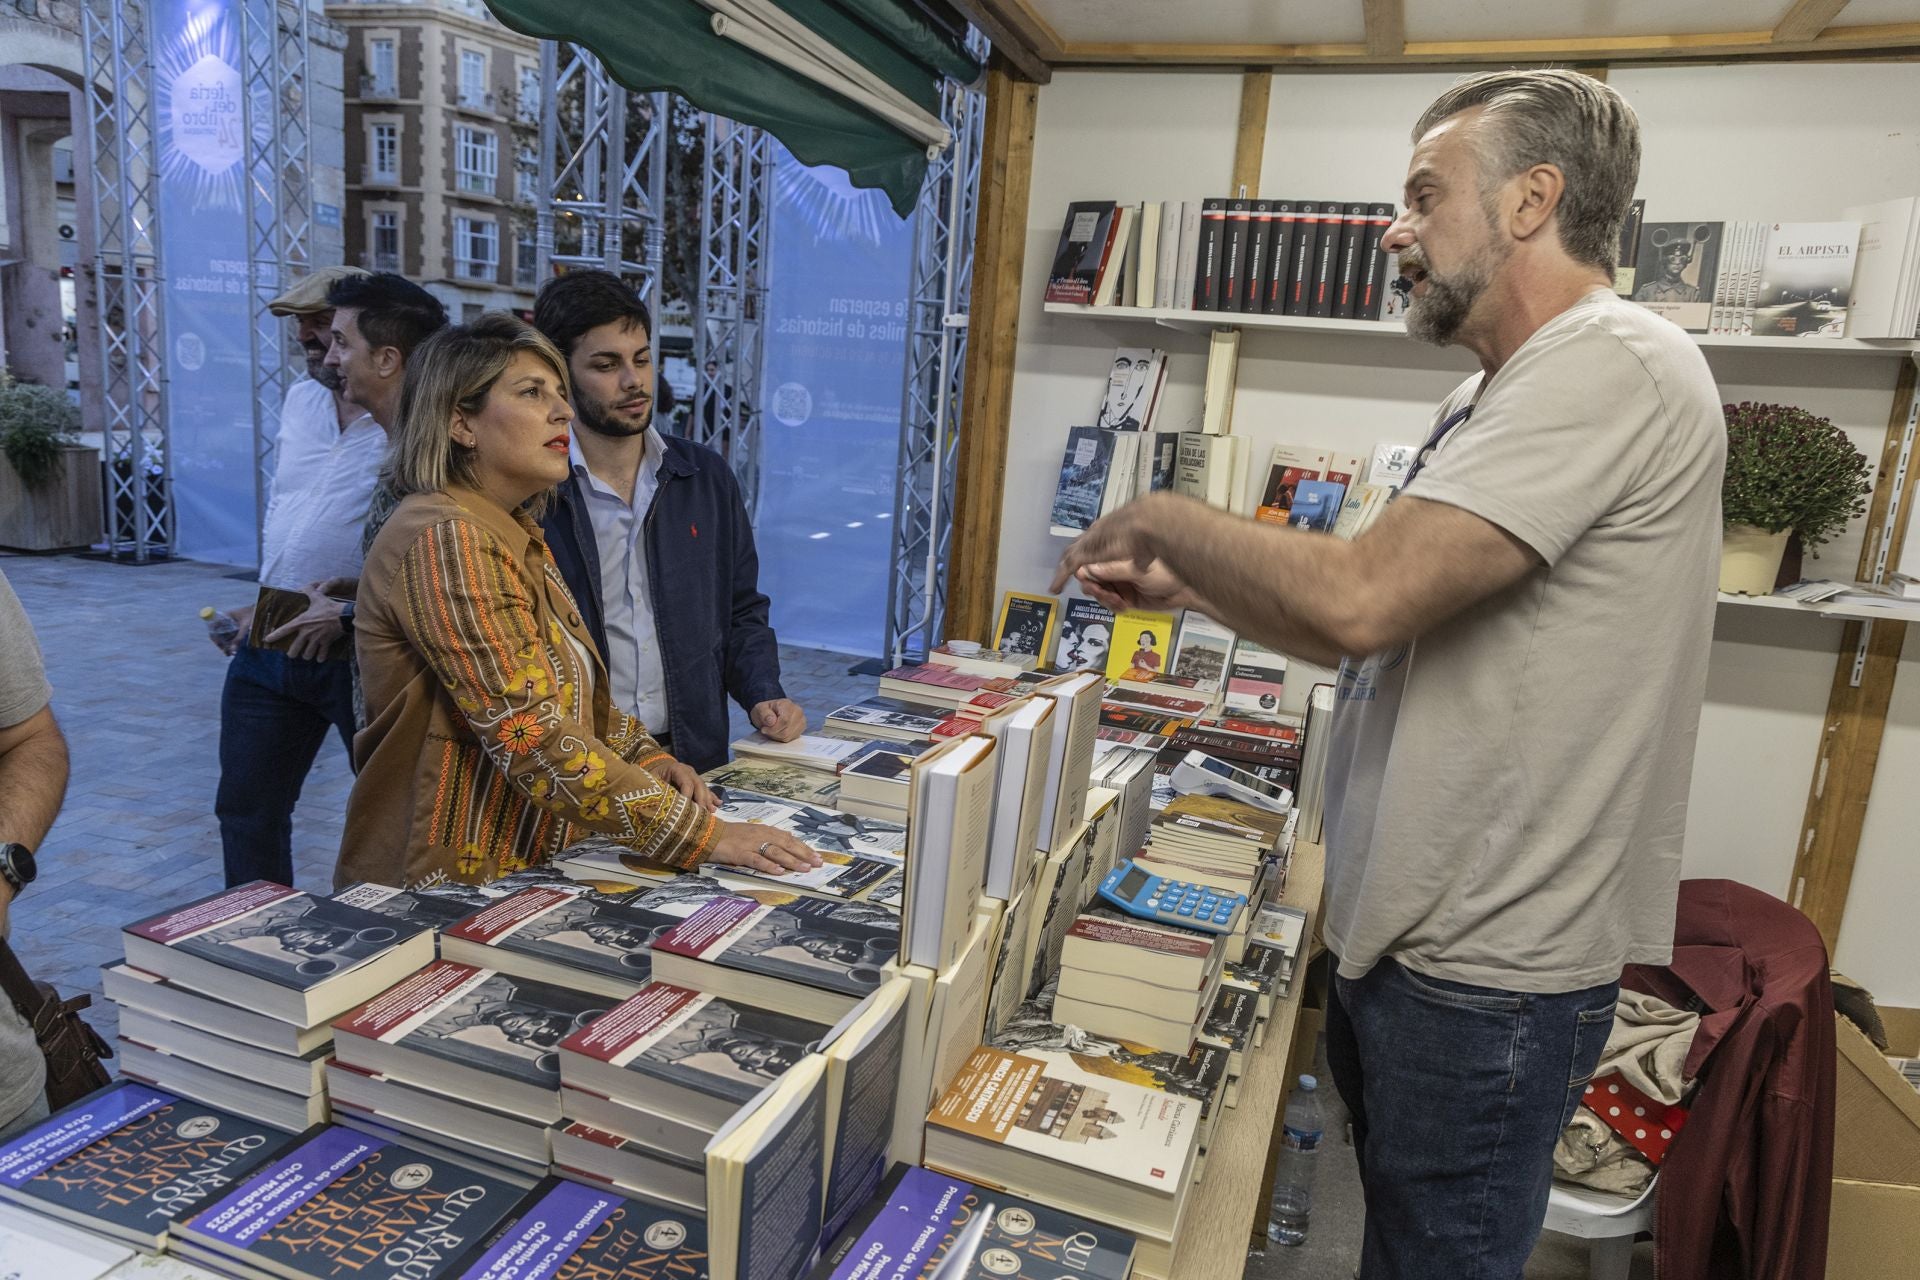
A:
{"x":1571,"y":121}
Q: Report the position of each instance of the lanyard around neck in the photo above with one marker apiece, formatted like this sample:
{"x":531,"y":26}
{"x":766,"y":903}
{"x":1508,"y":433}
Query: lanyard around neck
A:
{"x":1454,"y":419}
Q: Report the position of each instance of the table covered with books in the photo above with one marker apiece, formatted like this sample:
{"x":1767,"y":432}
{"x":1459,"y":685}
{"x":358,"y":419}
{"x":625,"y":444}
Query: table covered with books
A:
{"x":958,"y":1035}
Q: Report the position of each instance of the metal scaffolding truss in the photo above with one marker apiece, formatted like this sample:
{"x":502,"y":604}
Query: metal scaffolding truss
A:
{"x":602,"y":171}
{"x":127,"y":275}
{"x":277,"y":115}
{"x":729,"y":331}
{"x":941,"y":292}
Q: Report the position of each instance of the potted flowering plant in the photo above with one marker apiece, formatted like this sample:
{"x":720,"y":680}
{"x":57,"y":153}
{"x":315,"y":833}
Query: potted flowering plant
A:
{"x":1788,"y":472}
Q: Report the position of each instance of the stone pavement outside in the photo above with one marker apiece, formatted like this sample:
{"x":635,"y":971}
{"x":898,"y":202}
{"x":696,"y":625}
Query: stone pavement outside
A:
{"x":136,"y":687}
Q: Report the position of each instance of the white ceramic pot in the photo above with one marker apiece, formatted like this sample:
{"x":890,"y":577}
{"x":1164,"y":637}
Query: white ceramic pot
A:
{"x":1750,"y":559}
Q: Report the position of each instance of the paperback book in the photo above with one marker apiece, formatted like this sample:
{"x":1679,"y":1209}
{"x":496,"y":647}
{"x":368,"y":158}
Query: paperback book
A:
{"x":782,"y":781}
{"x":1085,"y":467}
{"x":128,"y":1161}
{"x":494,"y":1037}
{"x":1677,"y":270}
{"x":1086,"y":635}
{"x":340,"y":1203}
{"x":816,"y":958}
{"x":915,"y":1227}
{"x":1806,"y":280}
{"x":1085,"y":241}
{"x":285,"y":953}
{"x":565,"y":1231}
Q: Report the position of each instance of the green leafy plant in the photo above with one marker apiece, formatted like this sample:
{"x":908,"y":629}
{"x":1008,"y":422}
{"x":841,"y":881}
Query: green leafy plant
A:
{"x":1788,"y":469}
{"x":35,"y":423}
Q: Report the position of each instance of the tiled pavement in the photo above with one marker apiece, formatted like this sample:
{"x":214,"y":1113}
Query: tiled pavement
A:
{"x":137,"y":690}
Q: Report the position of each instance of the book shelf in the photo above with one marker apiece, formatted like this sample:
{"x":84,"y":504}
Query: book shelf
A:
{"x":1824,"y":610}
{"x":1228,"y":1206}
{"x":1204,"y":321}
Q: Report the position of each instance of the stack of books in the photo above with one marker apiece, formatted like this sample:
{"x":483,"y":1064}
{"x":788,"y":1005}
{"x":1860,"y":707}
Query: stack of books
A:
{"x":898,"y":720}
{"x":1085,"y":1143}
{"x":463,"y":1058}
{"x":227,"y":1000}
{"x":1132,"y":980}
{"x":648,"y":1087}
{"x":1213,"y":841}
{"x":962,"y":693}
{"x":878,"y":783}
{"x":813,"y":958}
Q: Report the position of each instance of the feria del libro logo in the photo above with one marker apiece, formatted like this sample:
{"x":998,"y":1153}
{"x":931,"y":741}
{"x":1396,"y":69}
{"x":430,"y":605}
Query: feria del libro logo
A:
{"x":205,"y":114}
{"x":202,"y":111}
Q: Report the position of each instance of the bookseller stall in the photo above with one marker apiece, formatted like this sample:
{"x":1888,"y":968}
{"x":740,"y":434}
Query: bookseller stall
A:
{"x":1790,"y":113}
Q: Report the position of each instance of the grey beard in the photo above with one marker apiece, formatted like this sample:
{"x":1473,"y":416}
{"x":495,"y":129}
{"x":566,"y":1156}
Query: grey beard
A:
{"x":325,"y":376}
{"x":1436,"y":316}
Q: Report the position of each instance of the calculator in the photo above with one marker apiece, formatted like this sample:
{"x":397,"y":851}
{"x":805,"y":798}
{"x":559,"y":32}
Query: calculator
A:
{"x":1139,"y":892}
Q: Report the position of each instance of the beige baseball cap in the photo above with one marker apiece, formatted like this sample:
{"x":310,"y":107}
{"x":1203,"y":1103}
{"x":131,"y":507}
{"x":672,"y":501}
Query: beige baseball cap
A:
{"x":309,"y":293}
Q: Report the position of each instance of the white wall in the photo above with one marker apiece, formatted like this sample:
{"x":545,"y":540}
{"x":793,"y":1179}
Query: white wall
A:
{"x":1790,"y":141}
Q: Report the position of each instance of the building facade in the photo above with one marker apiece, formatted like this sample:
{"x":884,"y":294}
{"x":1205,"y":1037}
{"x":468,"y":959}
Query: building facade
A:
{"x":442,"y":117}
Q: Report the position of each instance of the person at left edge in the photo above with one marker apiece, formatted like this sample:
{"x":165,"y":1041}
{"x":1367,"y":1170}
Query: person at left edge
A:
{"x":279,"y":703}
{"x":653,"y":539}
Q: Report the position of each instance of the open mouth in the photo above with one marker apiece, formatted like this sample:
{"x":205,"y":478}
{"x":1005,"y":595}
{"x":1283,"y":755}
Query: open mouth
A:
{"x":558,"y":444}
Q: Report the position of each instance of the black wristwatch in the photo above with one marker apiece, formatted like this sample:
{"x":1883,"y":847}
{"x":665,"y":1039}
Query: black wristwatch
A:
{"x":346,"y":616}
{"x":18,"y":866}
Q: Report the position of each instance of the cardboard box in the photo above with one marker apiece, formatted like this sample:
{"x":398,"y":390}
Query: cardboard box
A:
{"x":1875,"y":1222}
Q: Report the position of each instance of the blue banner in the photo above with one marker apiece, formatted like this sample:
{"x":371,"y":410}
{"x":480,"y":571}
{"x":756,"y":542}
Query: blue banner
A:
{"x":202,"y":158}
{"x":830,"y":428}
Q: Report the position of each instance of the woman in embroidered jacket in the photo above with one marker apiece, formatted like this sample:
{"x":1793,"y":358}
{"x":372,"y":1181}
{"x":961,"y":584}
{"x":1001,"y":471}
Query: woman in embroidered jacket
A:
{"x":491,"y":742}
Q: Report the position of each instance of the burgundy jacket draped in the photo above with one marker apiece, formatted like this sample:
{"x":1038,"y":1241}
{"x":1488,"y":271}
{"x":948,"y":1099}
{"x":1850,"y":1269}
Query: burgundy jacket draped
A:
{"x":1744,"y":1191}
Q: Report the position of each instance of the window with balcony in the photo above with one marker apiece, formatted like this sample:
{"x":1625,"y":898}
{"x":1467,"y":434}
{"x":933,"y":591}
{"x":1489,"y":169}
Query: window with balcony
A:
{"x":383,"y":70}
{"x":476,"y":248}
{"x":473,"y":79}
{"x":383,"y":153}
{"x":476,"y":160}
{"x":383,"y":241}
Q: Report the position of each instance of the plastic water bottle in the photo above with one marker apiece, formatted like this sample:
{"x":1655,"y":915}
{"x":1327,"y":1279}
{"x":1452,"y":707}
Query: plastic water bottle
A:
{"x":222,"y":626}
{"x":1293,"y":1169}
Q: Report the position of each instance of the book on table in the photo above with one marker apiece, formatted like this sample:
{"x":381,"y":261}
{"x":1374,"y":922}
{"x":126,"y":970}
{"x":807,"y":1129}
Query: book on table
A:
{"x":863,"y":1057}
{"x":957,"y":1019}
{"x":946,"y":864}
{"x":628,"y":1167}
{"x":821,"y":752}
{"x":302,"y":1074}
{"x":588,"y":941}
{"x":770,"y":778}
{"x":563,"y":1230}
{"x":978,"y":660}
{"x":685,"y":1054}
{"x":1025,"y":732}
{"x":1233,"y":1023}
{"x":191,"y":1078}
{"x":910,"y":1227}
{"x":335,"y":1197}
{"x":128,"y":1161}
{"x":1136,"y":982}
{"x":133,"y":988}
{"x":814,"y":958}
{"x":1070,"y":754}
{"x":493,"y":1037}
{"x":278,"y":951}
{"x":896,"y":719}
{"x":881,"y":778}
{"x":434,"y":908}
{"x":766,"y":1179}
{"x":1109,"y":1150}
{"x":410,"y":1112}
{"x":827,"y":831}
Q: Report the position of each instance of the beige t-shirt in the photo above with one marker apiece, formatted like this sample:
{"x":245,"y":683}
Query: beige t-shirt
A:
{"x":1507,"y":796}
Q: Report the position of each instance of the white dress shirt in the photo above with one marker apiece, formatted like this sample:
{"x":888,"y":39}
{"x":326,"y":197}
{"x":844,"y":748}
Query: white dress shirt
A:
{"x":323,"y":475}
{"x":637,"y":682}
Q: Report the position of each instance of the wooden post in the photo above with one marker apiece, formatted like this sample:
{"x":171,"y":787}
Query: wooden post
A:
{"x":1856,"y":715}
{"x":1250,"y":140}
{"x":993,"y":324}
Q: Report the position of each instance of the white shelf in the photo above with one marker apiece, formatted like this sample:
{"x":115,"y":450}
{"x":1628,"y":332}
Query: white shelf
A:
{"x":1203,"y":321}
{"x":1868,"y":612}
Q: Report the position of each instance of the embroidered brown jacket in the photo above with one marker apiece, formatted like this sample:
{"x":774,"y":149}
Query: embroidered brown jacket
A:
{"x":490,"y":741}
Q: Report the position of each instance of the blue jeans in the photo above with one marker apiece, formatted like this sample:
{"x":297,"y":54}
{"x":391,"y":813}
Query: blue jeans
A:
{"x":274,"y":714}
{"x":1458,"y":1094}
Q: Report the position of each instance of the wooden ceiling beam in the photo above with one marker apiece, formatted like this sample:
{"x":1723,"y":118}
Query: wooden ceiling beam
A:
{"x":1387,"y":27}
{"x":1024,"y":58}
{"x":1901,"y":38}
{"x":1807,"y":19}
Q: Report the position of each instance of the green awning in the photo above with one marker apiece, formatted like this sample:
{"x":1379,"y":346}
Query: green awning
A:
{"x":651,"y":45}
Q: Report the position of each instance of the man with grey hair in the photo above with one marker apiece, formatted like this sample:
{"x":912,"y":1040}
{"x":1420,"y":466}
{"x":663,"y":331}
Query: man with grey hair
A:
{"x":1522,"y":641}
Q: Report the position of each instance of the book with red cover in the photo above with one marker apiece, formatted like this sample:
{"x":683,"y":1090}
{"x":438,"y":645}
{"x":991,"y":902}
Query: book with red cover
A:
{"x":1213,"y":237}
{"x":1373,"y":279}
{"x":1232,"y":289}
{"x":1275,"y":280}
{"x":1259,"y":266}
{"x":1325,"y":280}
{"x":1351,"y":266}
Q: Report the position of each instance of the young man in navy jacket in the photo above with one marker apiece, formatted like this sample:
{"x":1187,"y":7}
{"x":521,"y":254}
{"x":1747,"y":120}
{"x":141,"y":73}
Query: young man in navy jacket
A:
{"x":653,"y":539}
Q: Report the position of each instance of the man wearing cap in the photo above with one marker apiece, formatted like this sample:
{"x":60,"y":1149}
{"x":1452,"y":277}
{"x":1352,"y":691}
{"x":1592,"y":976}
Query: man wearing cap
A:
{"x":279,"y":703}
